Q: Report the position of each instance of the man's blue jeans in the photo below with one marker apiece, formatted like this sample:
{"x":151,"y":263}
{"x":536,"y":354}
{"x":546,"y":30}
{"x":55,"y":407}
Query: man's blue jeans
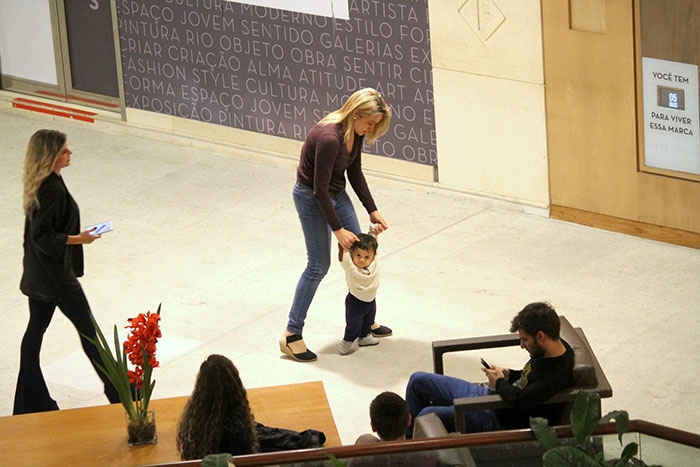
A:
{"x":317,"y":235}
{"x":430,"y":392}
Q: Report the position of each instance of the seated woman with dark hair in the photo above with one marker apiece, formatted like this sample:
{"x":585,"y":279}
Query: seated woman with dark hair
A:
{"x":217,"y":417}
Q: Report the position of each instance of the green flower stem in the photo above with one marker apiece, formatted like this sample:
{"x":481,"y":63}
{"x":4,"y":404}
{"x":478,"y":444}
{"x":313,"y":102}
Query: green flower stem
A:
{"x":114,"y":367}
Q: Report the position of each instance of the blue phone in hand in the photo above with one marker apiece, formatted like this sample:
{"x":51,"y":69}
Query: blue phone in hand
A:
{"x":102,"y":227}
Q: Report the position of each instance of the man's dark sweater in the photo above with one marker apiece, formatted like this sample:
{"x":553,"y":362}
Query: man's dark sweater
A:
{"x":527,"y":389}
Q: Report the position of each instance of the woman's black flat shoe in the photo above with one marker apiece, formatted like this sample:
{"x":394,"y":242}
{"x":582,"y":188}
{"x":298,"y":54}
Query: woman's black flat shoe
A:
{"x":307,"y":356}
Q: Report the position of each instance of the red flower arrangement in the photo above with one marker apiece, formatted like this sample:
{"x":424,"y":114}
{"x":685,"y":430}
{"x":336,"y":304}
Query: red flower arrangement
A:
{"x":141,"y":343}
{"x":134,"y":386}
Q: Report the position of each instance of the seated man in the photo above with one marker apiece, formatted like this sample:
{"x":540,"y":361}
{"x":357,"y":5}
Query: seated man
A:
{"x":549,"y":370}
{"x":389,"y":418}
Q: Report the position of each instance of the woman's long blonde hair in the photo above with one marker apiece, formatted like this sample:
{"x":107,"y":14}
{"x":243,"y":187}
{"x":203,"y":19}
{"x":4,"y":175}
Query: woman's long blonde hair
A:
{"x":366,"y":102}
{"x":42,"y":151}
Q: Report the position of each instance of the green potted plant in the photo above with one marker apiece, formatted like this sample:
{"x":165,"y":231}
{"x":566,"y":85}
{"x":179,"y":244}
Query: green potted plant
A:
{"x":218,"y":460}
{"x":134,"y":386}
{"x":584,"y":419}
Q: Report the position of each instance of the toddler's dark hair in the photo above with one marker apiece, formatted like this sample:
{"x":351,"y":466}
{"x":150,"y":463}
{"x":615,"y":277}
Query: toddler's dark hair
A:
{"x":365,"y":242}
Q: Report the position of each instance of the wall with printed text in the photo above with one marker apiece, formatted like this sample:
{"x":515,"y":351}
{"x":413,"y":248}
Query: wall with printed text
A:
{"x":277,"y":72}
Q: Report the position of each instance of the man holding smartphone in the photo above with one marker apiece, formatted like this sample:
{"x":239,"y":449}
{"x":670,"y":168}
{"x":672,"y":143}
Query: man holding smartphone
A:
{"x":549,"y":370}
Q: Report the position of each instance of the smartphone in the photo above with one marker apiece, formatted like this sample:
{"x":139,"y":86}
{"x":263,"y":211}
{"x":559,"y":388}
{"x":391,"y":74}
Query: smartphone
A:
{"x":102,"y":227}
{"x":486,"y":365}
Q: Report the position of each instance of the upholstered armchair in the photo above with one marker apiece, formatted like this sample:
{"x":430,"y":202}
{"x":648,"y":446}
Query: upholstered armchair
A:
{"x":588,"y":374}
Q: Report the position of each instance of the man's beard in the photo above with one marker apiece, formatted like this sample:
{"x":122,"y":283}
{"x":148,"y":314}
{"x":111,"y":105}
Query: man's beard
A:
{"x":537,"y":351}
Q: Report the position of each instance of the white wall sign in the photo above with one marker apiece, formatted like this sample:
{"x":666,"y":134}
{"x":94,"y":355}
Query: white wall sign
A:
{"x":671,"y":115}
{"x":331,"y":8}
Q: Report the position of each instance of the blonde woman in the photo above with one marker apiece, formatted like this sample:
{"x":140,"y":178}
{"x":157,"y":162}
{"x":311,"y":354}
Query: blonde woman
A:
{"x":53,"y":261}
{"x":332,"y":149}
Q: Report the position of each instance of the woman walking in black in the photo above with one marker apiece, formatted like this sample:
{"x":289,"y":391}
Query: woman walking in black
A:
{"x":53,"y":261}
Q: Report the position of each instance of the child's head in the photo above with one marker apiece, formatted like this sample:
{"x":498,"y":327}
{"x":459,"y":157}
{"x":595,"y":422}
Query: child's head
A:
{"x":363,"y":250}
{"x":389,"y":416}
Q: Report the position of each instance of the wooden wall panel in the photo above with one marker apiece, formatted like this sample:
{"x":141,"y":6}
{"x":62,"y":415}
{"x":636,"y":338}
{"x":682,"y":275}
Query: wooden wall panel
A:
{"x":590,"y":99}
{"x":590,"y":96}
{"x":587,"y":15}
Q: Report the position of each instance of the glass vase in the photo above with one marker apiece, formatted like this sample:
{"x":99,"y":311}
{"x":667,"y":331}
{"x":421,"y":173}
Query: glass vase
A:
{"x":141,"y":432}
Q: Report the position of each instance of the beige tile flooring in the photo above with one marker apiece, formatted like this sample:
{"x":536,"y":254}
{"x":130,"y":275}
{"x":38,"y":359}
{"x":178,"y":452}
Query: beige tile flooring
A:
{"x":215,"y":238}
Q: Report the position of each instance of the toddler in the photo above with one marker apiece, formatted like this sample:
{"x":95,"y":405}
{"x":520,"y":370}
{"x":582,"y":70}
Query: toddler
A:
{"x":362,"y":277}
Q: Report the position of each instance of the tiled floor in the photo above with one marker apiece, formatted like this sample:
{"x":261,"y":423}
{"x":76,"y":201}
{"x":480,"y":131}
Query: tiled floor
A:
{"x":216,"y":239}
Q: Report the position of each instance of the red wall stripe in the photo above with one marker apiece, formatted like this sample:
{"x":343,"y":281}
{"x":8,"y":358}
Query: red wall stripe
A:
{"x":52,"y":112}
{"x":53,"y":106}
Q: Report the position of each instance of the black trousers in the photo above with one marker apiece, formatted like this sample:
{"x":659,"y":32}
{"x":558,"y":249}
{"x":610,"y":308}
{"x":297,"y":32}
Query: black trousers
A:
{"x":32,"y":394}
{"x":359,"y":317}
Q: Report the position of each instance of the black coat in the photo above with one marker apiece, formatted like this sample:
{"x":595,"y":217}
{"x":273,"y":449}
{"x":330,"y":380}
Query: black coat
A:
{"x":51,"y":267}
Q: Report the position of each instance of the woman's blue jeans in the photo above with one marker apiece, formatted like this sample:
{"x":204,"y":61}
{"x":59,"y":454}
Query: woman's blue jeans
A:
{"x":317,"y":235}
{"x":430,"y":392}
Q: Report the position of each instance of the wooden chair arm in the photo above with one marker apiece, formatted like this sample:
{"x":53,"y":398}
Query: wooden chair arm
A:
{"x":470,"y":343}
{"x":603,"y":387}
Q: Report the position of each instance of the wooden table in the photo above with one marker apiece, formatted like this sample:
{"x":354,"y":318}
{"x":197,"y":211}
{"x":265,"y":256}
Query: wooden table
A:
{"x":97,"y":435}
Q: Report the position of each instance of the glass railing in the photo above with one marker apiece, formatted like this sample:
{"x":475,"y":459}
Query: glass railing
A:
{"x":658,"y":445}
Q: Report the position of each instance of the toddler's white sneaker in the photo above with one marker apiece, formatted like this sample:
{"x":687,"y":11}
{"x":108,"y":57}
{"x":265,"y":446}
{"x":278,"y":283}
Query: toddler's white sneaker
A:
{"x":347,"y":347}
{"x":369,"y":339}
